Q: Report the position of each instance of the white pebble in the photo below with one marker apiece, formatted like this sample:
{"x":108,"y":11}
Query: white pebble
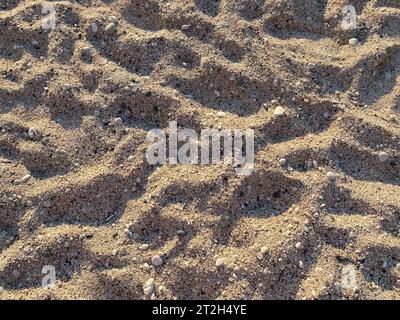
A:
{"x":298,"y":245}
{"x":220,"y":262}
{"x":282,"y":161}
{"x":26,"y":178}
{"x":148,"y":287}
{"x":185,"y":26}
{"x":117,"y":121}
{"x":353,"y":41}
{"x":110,"y":28}
{"x":263,"y":250}
{"x":32,"y":133}
{"x":113,"y":19}
{"x":279,"y":111}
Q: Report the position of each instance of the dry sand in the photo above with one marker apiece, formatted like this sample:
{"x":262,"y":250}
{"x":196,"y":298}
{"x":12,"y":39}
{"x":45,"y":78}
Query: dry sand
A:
{"x":95,"y":210}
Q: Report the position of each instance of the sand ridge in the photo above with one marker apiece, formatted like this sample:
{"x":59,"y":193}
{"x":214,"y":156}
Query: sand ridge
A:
{"x":77,"y":193}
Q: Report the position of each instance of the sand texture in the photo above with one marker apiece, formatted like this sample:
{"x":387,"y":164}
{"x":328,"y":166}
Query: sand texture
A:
{"x":76,"y":191}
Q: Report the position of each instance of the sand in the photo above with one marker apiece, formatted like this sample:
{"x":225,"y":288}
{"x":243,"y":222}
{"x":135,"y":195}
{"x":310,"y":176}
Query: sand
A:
{"x":319,"y":217}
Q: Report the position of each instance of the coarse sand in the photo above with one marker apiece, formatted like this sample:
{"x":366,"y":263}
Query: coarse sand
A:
{"x":81,"y":84}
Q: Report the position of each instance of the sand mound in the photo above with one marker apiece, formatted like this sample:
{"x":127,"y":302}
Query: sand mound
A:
{"x":76,"y":192}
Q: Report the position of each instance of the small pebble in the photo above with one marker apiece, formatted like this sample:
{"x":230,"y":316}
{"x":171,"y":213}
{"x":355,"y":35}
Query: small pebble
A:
{"x":86,"y":51}
{"x":185,"y":26}
{"x":279,"y":111}
{"x":32,"y":133}
{"x":128,"y":233}
{"x":157,"y":261}
{"x":298,"y":245}
{"x":301,"y":264}
{"x":220,"y":263}
{"x":282,"y":161}
{"x":110,"y":28}
{"x":118,"y":121}
{"x":383,"y":156}
{"x":26,"y":178}
{"x":148,"y":287}
{"x":221,"y":114}
{"x":263,"y":250}
{"x":94,"y":27}
{"x":353,"y":41}
{"x":331,"y":176}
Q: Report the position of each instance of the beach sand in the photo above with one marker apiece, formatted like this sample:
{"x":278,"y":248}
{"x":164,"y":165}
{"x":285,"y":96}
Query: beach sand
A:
{"x":81,"y":84}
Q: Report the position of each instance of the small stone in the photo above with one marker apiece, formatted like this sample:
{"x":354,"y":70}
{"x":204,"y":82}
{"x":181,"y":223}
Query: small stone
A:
{"x":275,"y":83}
{"x":221,"y":114}
{"x":128,"y":233}
{"x":144,"y":246}
{"x":118,"y":121}
{"x":353,"y":41}
{"x":157,"y":261}
{"x":86,"y":51}
{"x":32,"y":133}
{"x":301,"y":264}
{"x":331,"y":176}
{"x":220,"y":262}
{"x":15,"y":273}
{"x":26,"y":178}
{"x":185,"y":26}
{"x":298,"y":245}
{"x":111,"y":28}
{"x":383,"y":156}
{"x":94,"y":27}
{"x":217,"y":93}
{"x":148,"y":287}
{"x":263,"y":250}
{"x":282,"y":161}
{"x":279,"y":111}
